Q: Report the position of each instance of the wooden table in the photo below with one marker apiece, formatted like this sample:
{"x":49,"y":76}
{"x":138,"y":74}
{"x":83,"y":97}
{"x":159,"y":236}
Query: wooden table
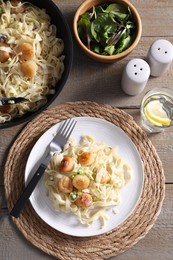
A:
{"x":90,"y":80}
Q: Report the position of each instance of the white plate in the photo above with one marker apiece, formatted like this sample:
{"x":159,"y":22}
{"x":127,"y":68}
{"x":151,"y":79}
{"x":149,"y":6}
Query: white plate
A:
{"x":111,"y":135}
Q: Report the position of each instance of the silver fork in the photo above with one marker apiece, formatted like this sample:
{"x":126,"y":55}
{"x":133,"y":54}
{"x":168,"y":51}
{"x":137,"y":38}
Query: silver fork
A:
{"x":55,"y":145}
{"x":60,"y":139}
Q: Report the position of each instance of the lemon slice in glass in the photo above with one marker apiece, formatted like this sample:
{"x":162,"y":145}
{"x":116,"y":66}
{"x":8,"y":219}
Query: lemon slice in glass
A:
{"x":155,"y":114}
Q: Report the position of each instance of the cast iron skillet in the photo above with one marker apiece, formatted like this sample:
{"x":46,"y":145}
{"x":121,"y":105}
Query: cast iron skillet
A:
{"x":64,"y":33}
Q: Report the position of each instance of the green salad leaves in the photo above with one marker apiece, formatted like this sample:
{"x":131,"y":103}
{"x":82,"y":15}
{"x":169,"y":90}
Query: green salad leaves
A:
{"x":107,"y":29}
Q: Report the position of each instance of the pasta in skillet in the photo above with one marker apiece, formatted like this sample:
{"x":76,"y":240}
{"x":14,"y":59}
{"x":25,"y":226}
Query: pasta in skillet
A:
{"x":31,"y":60}
{"x":87,"y":179}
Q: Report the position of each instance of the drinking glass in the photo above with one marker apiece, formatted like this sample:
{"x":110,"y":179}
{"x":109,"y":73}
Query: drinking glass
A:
{"x":157,"y":109}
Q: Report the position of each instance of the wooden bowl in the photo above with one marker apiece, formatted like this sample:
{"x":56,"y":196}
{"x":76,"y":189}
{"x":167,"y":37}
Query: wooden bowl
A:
{"x":86,"y":6}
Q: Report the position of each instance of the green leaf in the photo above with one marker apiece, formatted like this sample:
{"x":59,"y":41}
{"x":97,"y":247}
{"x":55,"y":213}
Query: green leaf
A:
{"x":98,"y":10}
{"x":124,"y":44}
{"x":83,"y":26}
{"x":95,"y":30}
{"x":97,"y":48}
{"x":110,"y":49}
{"x":118,"y":12}
{"x":116,"y":8}
{"x":130,"y":25}
{"x":102,"y":27}
{"x":107,"y":29}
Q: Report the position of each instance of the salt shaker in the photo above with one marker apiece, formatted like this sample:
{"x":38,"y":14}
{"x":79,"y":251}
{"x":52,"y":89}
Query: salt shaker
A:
{"x":135,"y":76}
{"x":160,"y":56}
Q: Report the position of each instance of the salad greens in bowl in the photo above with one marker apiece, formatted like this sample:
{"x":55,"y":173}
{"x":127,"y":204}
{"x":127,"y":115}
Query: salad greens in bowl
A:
{"x":107,"y":30}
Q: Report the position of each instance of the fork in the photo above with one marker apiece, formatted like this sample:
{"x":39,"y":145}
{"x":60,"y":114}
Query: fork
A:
{"x":56,"y":145}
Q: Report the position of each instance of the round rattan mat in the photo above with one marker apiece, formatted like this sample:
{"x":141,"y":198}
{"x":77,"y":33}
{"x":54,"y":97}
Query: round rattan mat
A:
{"x":104,"y":246}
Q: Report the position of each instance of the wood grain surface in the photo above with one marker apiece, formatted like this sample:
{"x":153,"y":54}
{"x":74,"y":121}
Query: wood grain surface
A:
{"x":90,"y":80}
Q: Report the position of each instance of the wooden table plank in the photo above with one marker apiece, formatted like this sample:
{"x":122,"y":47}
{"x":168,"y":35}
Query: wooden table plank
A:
{"x":156,"y":15}
{"x":94,"y":81}
{"x":90,"y":80}
{"x":156,"y":245}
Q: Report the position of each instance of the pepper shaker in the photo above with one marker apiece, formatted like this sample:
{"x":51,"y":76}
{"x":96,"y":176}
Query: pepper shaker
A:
{"x":135,"y":76}
{"x":160,"y":56}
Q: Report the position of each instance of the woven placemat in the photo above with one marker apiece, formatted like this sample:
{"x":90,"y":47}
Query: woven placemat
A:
{"x":99,"y":247}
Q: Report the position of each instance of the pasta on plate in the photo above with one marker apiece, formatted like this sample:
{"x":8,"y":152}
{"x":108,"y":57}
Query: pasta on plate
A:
{"x":31,"y":59}
{"x":86,"y":179}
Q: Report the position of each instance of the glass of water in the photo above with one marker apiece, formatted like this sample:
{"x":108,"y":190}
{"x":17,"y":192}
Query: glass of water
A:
{"x":157,"y":109}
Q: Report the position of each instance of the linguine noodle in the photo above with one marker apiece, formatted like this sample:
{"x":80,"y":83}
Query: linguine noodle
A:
{"x":107,"y":173}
